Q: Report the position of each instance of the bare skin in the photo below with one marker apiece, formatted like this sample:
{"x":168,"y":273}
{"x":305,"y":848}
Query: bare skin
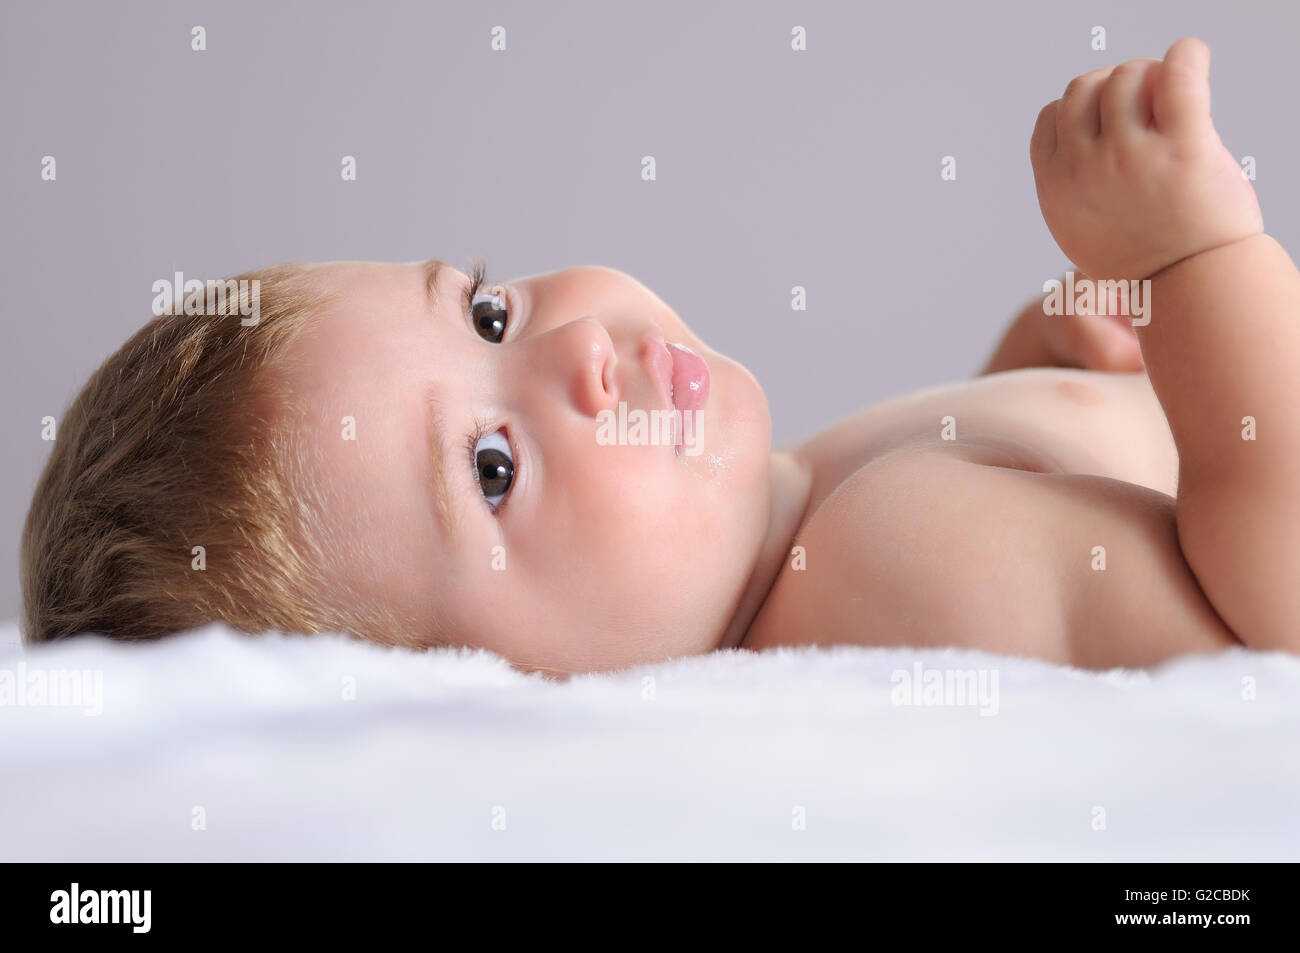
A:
{"x":1064,"y":506}
{"x":989,"y":541}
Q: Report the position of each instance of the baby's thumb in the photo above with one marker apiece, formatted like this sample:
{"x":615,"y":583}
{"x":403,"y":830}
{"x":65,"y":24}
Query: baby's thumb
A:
{"x":1181,"y":100}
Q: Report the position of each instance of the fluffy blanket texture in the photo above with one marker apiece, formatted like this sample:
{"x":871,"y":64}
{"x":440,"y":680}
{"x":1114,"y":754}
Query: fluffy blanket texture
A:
{"x":217,"y":746}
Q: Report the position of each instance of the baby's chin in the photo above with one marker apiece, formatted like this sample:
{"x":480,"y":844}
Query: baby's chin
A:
{"x":738,"y":408}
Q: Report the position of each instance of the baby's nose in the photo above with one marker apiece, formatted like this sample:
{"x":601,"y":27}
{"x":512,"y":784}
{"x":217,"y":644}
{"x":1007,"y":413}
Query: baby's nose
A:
{"x":587,"y":360}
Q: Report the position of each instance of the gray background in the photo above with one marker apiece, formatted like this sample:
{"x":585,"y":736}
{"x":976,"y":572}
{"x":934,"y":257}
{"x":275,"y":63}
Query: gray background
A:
{"x":775,"y":168}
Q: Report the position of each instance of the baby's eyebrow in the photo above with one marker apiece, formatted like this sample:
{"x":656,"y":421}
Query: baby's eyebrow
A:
{"x":431,"y":268}
{"x":443,"y":507}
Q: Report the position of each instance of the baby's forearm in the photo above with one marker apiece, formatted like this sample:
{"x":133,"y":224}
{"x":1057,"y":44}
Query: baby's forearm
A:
{"x":1224,"y":329}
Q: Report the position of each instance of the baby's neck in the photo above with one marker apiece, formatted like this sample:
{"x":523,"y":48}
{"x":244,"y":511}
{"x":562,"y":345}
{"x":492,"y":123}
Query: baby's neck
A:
{"x":792,"y":480}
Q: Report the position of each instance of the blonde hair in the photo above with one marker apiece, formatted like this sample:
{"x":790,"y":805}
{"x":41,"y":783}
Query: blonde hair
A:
{"x":182,"y":439}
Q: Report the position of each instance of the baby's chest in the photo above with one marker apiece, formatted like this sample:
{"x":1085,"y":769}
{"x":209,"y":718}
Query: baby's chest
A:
{"x":953,"y":544}
{"x":1050,"y":421}
{"x":1055,"y":422}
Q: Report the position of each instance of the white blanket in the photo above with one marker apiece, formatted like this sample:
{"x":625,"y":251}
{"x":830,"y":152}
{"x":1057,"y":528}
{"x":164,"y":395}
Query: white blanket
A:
{"x":215,"y":746}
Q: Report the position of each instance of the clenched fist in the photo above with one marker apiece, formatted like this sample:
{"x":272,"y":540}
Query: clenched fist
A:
{"x":1131,"y":174}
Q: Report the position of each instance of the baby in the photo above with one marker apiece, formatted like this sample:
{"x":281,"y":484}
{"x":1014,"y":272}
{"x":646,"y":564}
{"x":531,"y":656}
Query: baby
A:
{"x":418,"y":457}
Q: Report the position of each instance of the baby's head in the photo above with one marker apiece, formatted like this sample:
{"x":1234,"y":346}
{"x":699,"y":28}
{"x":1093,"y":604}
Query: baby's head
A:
{"x":384,"y":455}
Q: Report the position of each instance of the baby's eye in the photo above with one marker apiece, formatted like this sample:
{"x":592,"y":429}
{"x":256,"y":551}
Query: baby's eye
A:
{"x":493,"y":467}
{"x":489,"y":312}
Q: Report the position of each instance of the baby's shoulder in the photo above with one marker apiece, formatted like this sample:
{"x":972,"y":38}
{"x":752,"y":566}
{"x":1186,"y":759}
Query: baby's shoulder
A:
{"x":950,"y":546}
{"x":893,"y":555}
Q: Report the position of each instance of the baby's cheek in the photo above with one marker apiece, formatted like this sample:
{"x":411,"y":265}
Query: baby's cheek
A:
{"x":627,"y":494}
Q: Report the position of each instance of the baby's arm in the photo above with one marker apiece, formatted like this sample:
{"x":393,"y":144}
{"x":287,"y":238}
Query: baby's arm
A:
{"x":1223,"y":366}
{"x":1134,"y":183}
{"x":1091,"y":342}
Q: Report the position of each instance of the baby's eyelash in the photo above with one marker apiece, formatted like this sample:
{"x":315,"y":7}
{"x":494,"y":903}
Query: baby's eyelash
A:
{"x":477,"y":278}
{"x":471,"y":444}
{"x":481,"y":430}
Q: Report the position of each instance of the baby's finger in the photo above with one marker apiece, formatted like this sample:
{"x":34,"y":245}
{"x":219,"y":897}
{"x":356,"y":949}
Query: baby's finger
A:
{"x":1080,"y":113}
{"x":1042,"y":144}
{"x":1126,"y":98}
{"x":1181,"y":100}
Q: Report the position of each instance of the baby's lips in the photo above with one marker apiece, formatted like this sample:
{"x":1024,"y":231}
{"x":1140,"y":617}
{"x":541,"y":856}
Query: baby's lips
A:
{"x":690,"y":378}
{"x":658,"y":361}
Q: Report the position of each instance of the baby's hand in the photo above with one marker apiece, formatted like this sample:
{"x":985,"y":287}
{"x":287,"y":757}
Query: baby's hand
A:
{"x":1131,"y":175}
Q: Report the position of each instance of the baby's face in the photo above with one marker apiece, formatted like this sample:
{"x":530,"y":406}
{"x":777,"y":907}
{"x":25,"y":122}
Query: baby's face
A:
{"x":482,"y":487}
